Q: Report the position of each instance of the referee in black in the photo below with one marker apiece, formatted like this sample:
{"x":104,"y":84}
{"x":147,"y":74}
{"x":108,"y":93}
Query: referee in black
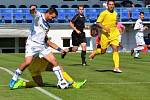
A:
{"x":78,"y":35}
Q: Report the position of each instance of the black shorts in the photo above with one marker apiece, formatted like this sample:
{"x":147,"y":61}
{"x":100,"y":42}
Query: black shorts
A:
{"x":77,"y":39}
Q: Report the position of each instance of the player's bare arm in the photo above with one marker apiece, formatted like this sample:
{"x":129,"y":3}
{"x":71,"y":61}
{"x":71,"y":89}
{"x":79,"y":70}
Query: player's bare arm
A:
{"x":72,"y":26}
{"x":107,"y":29}
{"x":54,"y":46}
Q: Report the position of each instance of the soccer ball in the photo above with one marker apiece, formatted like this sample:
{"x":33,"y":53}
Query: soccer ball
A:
{"x":62,"y":84}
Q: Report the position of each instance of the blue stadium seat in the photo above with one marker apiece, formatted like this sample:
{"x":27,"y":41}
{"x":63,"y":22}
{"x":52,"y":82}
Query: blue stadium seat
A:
{"x":7,"y":17}
{"x":70,"y":13}
{"x":6,"y":10}
{"x":29,"y":18}
{"x":124,"y":15}
{"x":135,"y":13}
{"x":42,"y":10}
{"x":61,"y":15}
{"x":18,"y":11}
{"x":92,"y":14}
{"x":61,"y":18}
{"x":25,"y":10}
{"x":19,"y":18}
{"x":147,"y":16}
{"x":135,"y":16}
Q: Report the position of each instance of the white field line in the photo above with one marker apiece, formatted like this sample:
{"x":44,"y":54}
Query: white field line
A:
{"x":38,"y":88}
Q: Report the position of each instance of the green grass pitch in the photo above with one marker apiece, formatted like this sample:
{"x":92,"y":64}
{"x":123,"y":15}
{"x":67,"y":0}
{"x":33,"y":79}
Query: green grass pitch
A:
{"x":102,"y":83}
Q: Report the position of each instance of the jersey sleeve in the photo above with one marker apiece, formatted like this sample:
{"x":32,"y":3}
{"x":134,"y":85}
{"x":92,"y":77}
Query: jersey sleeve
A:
{"x":138,"y":26}
{"x":101,"y":17}
{"x":74,"y":18}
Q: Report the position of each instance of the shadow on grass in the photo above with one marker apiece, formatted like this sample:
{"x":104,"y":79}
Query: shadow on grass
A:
{"x":78,"y":65}
{"x":104,"y":71}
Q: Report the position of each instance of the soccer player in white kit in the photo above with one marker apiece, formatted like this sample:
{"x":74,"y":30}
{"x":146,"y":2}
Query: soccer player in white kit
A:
{"x":37,"y":44}
{"x":140,"y":28}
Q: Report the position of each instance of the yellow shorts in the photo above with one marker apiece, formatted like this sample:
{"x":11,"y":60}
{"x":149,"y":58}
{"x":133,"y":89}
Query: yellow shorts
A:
{"x":37,"y":66}
{"x":107,"y":40}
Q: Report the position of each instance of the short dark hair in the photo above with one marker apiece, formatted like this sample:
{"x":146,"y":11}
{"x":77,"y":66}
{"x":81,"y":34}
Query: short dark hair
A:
{"x":141,"y":13}
{"x":52,"y":10}
{"x":80,"y":6}
{"x":111,"y":1}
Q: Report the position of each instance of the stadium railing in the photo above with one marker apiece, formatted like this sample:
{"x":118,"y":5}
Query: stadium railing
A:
{"x":22,"y":15}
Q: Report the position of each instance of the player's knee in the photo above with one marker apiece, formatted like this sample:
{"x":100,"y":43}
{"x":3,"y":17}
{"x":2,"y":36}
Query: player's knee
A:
{"x":54,"y":62}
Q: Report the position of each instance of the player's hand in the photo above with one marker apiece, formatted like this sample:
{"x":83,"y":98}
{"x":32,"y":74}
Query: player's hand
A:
{"x":78,"y":31}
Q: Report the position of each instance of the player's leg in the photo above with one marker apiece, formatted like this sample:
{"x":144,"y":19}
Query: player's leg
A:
{"x":56,"y":69}
{"x":19,"y":70}
{"x":115,"y":44}
{"x":74,"y":84}
{"x":83,"y":53}
{"x":140,"y":45}
{"x":116,"y":58}
{"x":104,"y":43}
{"x":36,"y":67}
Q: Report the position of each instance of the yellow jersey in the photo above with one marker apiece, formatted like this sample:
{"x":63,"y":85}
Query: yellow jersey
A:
{"x":108,"y":19}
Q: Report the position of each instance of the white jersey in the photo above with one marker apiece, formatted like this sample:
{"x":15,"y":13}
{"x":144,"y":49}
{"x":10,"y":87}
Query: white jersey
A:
{"x":139,"y":35}
{"x":139,"y":26}
{"x":39,"y":28}
{"x":36,"y":38}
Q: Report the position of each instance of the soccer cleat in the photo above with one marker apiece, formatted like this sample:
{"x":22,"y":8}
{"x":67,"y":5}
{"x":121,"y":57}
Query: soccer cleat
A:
{"x":117,"y":70}
{"x":12,"y":83}
{"x":80,"y":84}
{"x":137,"y":58}
{"x":19,"y":83}
{"x":63,"y":55}
{"x":132,"y":51}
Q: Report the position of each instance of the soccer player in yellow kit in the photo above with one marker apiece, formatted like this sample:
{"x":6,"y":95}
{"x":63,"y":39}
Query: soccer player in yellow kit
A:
{"x":107,"y":20}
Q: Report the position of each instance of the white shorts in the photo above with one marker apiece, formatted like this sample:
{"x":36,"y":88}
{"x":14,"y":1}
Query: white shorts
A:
{"x":33,"y":48}
{"x":139,"y":39}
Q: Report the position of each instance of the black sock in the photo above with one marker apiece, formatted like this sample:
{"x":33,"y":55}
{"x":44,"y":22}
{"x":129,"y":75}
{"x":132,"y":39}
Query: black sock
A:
{"x":83,"y":56}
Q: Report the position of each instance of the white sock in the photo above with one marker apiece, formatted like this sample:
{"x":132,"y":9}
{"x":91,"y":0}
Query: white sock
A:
{"x":58,"y":73}
{"x":137,"y":53}
{"x":17,"y":73}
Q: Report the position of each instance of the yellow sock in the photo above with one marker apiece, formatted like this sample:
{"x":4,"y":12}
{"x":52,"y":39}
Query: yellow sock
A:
{"x":97,"y":51}
{"x":116,"y":59}
{"x":24,"y":84}
{"x":69,"y":79}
